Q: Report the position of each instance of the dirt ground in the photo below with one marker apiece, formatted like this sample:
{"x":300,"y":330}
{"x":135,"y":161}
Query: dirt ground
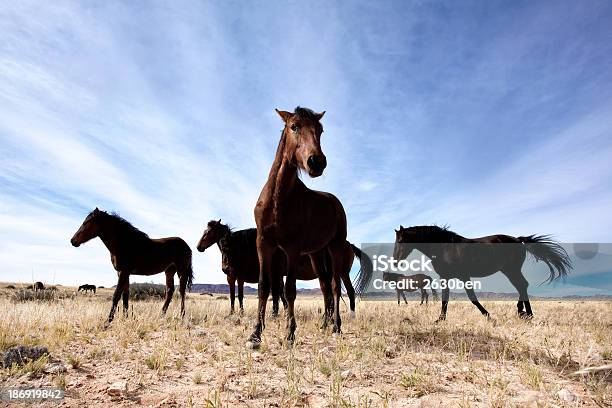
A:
{"x":389,"y":355}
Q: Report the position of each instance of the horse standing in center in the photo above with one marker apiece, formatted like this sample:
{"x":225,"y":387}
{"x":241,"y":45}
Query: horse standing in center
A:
{"x":298,"y":220}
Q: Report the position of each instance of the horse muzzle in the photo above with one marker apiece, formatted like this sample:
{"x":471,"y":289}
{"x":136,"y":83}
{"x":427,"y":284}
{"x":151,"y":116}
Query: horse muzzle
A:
{"x":316,"y":165}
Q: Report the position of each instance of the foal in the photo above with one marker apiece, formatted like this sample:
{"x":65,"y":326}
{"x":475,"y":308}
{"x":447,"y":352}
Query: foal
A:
{"x":416,"y":282}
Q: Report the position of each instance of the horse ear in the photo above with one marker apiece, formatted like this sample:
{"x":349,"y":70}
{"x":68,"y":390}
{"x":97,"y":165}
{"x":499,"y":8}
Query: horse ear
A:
{"x":219,"y":221}
{"x":401,"y":227}
{"x":284,"y":115}
{"x":320,"y":115}
{"x":96,"y":210}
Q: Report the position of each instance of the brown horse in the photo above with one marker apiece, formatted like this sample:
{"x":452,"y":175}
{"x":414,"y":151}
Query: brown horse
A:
{"x":298,"y":220}
{"x":246,"y":265}
{"x":37,"y":286}
{"x":240,"y":261}
{"x":134,"y":253}
{"x":411,"y":283}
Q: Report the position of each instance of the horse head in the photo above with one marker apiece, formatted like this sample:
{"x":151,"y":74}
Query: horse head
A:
{"x":302,"y":135}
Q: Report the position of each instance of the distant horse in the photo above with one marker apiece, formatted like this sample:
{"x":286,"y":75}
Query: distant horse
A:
{"x":411,"y":283}
{"x":134,"y":253}
{"x":86,"y":288}
{"x":457,"y":257}
{"x":299,"y":221}
{"x":36,"y":286}
{"x":240,"y":261}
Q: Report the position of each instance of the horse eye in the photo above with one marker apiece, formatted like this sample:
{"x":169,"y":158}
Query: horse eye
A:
{"x":294,"y":127}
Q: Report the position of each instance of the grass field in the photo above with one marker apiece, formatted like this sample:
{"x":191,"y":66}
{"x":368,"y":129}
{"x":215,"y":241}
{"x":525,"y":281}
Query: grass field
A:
{"x":388,"y":355}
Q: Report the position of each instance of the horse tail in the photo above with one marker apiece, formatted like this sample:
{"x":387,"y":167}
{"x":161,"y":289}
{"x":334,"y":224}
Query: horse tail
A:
{"x":365,"y":272}
{"x":544,"y":248}
{"x":189,"y":269}
{"x":190,"y":274}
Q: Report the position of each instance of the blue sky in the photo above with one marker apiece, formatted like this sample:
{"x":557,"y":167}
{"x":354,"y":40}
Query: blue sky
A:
{"x":492,"y":117}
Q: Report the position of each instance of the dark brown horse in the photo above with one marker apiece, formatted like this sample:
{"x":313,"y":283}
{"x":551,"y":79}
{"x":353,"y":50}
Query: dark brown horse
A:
{"x":134,"y":253}
{"x":240,"y":261}
{"x":456,"y":257}
{"x":411,"y":283}
{"x":298,"y":220}
{"x":246,"y":265}
{"x":86,"y":288}
{"x":37,"y":286}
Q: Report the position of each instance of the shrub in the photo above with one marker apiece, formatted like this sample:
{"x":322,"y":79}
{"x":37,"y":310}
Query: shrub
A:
{"x":45,"y":295}
{"x":145,"y":291}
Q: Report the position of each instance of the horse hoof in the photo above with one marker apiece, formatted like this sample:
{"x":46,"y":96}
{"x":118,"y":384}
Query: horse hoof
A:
{"x":254,"y":342}
{"x":440,"y":319}
{"x":526,"y":316}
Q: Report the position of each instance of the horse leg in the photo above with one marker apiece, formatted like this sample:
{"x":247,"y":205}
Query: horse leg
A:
{"x":231,"y":281}
{"x":520,"y":283}
{"x":126,"y":298}
{"x":277,"y":288}
{"x":404,"y":296}
{"x":346,"y":278}
{"x":182,"y":290}
{"x":325,"y":285}
{"x":445,"y":295}
{"x":241,"y":294}
{"x":169,"y":289}
{"x":472,"y":297}
{"x":336,"y":270}
{"x":264,"y":252}
{"x":424,"y":296}
{"x":398,"y":296}
{"x":350,"y":292}
{"x":290,"y":293}
{"x":124,"y":277}
{"x":337,"y":292}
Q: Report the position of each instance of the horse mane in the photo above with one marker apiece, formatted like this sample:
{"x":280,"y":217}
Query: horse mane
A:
{"x":436,"y":233}
{"x":125,"y":226}
{"x":239,"y":241}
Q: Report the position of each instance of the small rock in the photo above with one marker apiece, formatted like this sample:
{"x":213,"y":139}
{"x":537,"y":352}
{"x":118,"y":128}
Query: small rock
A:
{"x":199,"y":332}
{"x":256,"y":356}
{"x":117,"y":389}
{"x":346,"y":374}
{"x":566,"y":395}
{"x":21,"y":355}
{"x":390,"y":352}
{"x":55,"y":368}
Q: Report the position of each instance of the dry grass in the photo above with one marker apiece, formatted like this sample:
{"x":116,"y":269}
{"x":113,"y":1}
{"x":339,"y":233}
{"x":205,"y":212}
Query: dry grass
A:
{"x":388,"y":356}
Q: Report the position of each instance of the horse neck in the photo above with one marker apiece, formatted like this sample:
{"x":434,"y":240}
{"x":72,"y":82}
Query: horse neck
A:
{"x":108,"y":235}
{"x":226,"y":233}
{"x":282,"y":179}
